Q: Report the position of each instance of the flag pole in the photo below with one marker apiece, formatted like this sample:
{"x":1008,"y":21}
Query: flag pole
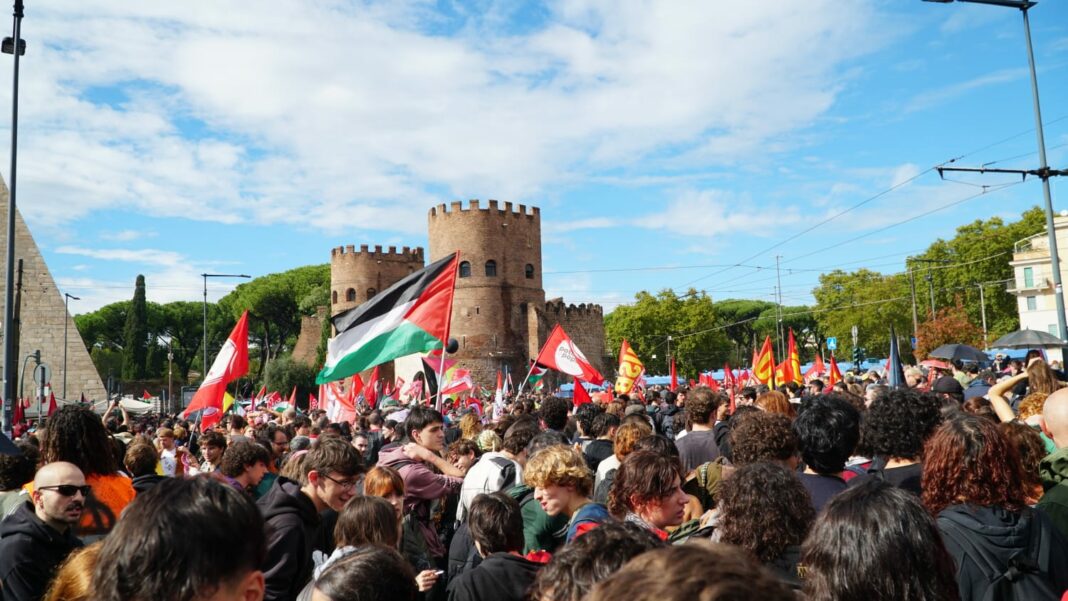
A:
{"x":533,"y":364}
{"x":448,"y":327}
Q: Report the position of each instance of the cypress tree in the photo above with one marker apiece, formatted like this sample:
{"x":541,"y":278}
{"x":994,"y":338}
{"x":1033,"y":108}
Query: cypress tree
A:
{"x":135,"y":335}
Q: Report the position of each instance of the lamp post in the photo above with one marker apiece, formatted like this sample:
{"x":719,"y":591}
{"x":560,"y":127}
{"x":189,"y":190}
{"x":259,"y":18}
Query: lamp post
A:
{"x":66,"y":306}
{"x":15,"y":46}
{"x":1043,"y":168}
{"x":206,"y":276}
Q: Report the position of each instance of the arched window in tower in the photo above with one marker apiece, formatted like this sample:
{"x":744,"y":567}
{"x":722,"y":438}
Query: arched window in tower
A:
{"x":491,"y":269}
{"x":529,"y":271}
{"x":465,"y":269}
{"x":371,"y":292}
{"x":333,"y":299}
{"x":350,"y":295}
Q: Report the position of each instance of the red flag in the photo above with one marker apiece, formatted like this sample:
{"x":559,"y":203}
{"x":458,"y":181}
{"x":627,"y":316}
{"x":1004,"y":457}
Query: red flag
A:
{"x":313,"y":403}
{"x":83,"y":399}
{"x":231,"y":363}
{"x":713,"y":383}
{"x":792,"y":368}
{"x":818,"y":368}
{"x":293,"y":397}
{"x":145,"y":395}
{"x":835,"y":375}
{"x":370,"y":391}
{"x":52,"y":407}
{"x":356,"y":386}
{"x":19,"y":414}
{"x":693,"y":384}
{"x":729,"y":383}
{"x":674,"y":377}
{"x":581,"y":395}
{"x":561,"y":354}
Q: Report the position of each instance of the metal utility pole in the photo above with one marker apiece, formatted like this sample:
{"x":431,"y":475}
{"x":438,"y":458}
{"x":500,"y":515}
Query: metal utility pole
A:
{"x":915,"y":315}
{"x":930,"y":287}
{"x":778,"y":299}
{"x":982,"y":305}
{"x":1043,"y":171}
{"x":206,"y":276}
{"x":18,"y":48}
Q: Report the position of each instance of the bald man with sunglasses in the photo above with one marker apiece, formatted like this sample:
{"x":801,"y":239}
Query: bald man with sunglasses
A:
{"x":39,"y":535}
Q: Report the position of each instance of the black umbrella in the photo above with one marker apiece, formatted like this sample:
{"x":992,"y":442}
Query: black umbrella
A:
{"x":1029,"y":339}
{"x":7,"y":447}
{"x":959,"y":352}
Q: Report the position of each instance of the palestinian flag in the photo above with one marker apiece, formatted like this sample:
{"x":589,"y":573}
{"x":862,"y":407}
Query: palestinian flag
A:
{"x":411,"y":316}
{"x":536,"y":374}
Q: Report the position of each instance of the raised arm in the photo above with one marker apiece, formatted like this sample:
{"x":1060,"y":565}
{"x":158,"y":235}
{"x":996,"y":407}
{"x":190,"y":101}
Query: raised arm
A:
{"x":999,"y":400}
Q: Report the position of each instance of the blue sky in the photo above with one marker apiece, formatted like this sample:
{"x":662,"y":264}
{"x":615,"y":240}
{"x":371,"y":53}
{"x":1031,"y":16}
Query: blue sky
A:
{"x":170,"y":138}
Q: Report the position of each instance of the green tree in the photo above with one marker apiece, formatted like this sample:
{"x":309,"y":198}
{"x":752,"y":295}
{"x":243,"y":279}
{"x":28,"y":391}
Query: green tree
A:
{"x":103,"y":328}
{"x":182,"y":326}
{"x":866,"y":299}
{"x":135,"y":335}
{"x":739,"y":317}
{"x":697,"y":343}
{"x":287,"y":373}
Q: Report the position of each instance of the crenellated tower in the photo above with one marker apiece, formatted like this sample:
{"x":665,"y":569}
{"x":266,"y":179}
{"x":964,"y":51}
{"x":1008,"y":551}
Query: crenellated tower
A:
{"x":358,"y":275}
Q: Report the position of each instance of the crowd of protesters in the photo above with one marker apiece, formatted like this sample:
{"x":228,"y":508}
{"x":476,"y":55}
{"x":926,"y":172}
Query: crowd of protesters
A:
{"x":952,"y":487}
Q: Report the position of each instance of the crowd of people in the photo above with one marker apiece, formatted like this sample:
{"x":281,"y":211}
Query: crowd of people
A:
{"x":954,"y":486}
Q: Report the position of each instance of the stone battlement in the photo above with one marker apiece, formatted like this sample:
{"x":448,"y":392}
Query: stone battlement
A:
{"x":560,"y":308}
{"x":391,"y":253}
{"x":475,"y":205}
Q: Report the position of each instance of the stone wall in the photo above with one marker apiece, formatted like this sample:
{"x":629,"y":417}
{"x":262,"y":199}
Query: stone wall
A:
{"x":43,"y":316}
{"x":584,"y":323}
{"x":308,"y":340}
{"x":356,"y":276}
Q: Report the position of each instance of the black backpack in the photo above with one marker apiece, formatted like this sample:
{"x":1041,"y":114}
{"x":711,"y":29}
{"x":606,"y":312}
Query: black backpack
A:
{"x":1023,"y":578}
{"x":507,"y":472}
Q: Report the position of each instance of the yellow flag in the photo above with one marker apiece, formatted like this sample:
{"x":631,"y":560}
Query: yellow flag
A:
{"x":630,"y":369}
{"x":228,"y":401}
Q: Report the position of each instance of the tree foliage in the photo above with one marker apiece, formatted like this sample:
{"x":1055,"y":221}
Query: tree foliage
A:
{"x":866,"y":299}
{"x":690,"y":320}
{"x":285,"y":373}
{"x":135,"y":334}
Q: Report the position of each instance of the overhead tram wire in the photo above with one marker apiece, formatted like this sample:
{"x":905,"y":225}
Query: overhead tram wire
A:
{"x":868,"y":200}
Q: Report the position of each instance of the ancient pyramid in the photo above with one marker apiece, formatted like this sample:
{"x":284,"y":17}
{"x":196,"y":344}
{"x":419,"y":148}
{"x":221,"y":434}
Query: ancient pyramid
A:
{"x":43,"y":316}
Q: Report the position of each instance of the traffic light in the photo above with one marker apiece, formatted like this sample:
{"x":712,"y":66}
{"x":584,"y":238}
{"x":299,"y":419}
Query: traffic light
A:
{"x":856,"y":355}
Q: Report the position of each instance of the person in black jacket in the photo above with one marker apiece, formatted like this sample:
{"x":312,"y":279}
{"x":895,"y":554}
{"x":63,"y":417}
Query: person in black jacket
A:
{"x":496,"y":525}
{"x":291,"y":512}
{"x":38,"y":536}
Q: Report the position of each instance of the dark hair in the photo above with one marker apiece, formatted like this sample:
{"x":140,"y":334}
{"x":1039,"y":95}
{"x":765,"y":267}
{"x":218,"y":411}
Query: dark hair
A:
{"x":519,"y":435}
{"x":603,"y":424}
{"x":701,"y":404}
{"x":827,"y":432}
{"x":762,"y":436}
{"x":816,"y":383}
{"x":657,"y":443}
{"x":697,"y":570}
{"x":242,"y":455}
{"x":16,"y":470}
{"x":643,"y":476}
{"x":420,"y":417}
{"x":496,"y":523}
{"x":373,"y":573}
{"x":584,"y":415}
{"x":367,"y":521}
{"x":545,"y":439}
{"x":553,"y":412}
{"x":764,"y":509}
{"x":980,"y":407}
{"x":590,"y":558}
{"x":221,"y":524}
{"x":211,"y":438}
{"x":334,"y":455}
{"x":875,"y":542}
{"x":967,"y":460}
{"x":897,"y":423}
{"x":141,"y":458}
{"x":237,"y":422}
{"x":75,"y":434}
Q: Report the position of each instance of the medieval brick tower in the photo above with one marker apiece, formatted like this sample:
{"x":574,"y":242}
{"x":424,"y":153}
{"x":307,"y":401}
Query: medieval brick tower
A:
{"x":500,"y":316}
{"x":498,"y":287}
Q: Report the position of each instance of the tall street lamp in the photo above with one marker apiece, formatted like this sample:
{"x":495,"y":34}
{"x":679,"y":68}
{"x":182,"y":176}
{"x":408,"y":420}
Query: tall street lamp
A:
{"x":15,"y":46}
{"x":1043,"y":169}
{"x":206,"y":276}
{"x":66,"y":306}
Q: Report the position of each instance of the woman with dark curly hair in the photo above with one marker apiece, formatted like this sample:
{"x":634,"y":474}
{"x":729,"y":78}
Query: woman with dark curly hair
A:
{"x":1028,"y":442}
{"x":647,"y":491}
{"x":894,"y":430}
{"x":764,"y":437}
{"x":875,"y":542}
{"x":764,"y":509}
{"x":76,"y":435}
{"x":972,"y":483}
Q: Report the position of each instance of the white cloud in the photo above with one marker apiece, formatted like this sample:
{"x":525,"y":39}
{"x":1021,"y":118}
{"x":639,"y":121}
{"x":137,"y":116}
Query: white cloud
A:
{"x":707,"y":213}
{"x":126,"y":235}
{"x":593,"y":223}
{"x":345,"y":116}
{"x":944,"y":94}
{"x":147,"y":256}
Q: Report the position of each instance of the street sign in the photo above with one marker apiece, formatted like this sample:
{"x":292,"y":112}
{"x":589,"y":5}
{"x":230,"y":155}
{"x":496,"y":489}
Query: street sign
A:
{"x":42,"y":375}
{"x":832,"y":344}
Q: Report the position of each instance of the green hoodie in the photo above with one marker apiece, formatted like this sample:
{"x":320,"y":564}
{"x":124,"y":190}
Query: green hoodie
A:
{"x":540,"y":531}
{"x":1054,"y":473}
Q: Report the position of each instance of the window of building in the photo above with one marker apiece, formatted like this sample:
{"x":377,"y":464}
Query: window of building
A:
{"x":465,"y":269}
{"x":529,"y":271}
{"x":350,"y":295}
{"x":333,"y":298}
{"x":1053,"y":330}
{"x":371,"y":292}
{"x":1032,"y":303}
{"x":1029,"y":277}
{"x":491,"y":269}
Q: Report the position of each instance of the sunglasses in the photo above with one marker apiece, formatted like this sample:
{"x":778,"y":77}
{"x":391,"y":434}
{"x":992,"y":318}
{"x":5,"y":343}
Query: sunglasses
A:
{"x":69,"y":490}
